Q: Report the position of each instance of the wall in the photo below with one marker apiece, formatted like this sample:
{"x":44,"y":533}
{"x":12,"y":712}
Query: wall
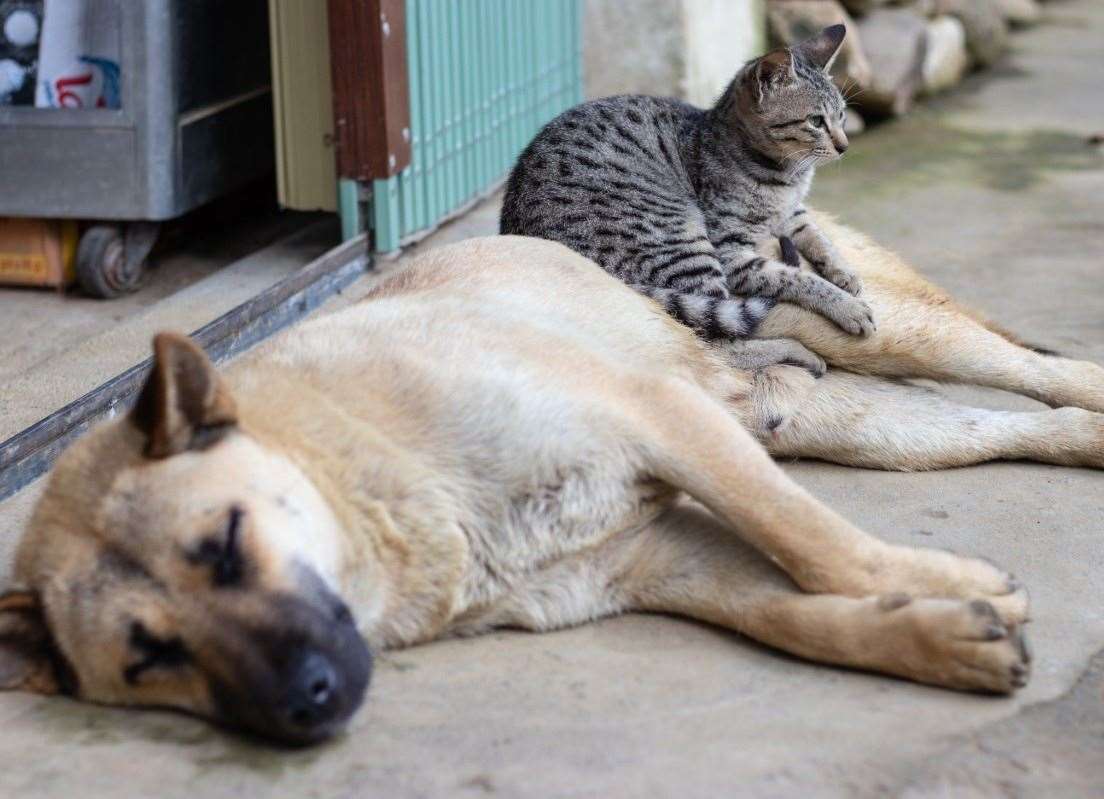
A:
{"x":681,"y":48}
{"x":721,"y":35}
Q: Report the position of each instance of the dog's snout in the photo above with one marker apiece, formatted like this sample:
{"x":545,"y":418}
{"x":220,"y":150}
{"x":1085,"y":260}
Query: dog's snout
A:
{"x":312,"y":691}
{"x":298,"y":676}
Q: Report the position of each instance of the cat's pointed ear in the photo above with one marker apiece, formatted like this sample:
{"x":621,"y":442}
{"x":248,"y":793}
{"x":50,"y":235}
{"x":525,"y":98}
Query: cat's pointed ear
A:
{"x":776,"y":68}
{"x":821,"y":50}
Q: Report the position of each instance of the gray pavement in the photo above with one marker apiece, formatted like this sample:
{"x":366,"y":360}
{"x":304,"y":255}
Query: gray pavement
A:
{"x":992,"y":192}
{"x":59,"y":347}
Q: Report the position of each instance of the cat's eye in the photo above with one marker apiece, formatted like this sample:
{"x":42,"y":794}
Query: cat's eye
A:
{"x":156,"y":652}
{"x":818,"y":121}
{"x":223,"y":554}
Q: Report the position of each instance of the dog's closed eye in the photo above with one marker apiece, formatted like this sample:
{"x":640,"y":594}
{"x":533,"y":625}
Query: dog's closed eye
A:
{"x":224,"y":554}
{"x":156,"y":652}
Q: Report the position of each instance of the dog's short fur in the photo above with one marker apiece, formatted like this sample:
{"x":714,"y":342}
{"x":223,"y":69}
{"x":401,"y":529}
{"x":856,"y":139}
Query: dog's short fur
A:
{"x":475,"y":447}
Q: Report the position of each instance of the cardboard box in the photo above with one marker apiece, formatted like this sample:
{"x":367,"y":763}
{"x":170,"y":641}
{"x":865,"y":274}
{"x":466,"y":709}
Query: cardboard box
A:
{"x":38,"y":252}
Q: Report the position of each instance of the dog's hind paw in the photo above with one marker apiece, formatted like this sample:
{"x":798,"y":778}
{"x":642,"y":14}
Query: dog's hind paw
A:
{"x":956,"y":644}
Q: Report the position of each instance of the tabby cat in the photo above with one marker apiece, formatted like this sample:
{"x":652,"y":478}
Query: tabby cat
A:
{"x":676,"y":201}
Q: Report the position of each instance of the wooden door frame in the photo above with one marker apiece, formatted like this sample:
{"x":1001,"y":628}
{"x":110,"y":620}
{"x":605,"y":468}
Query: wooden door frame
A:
{"x":371,"y":92}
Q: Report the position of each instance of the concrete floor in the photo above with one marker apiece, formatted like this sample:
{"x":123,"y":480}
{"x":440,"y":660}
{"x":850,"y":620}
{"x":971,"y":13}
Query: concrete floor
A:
{"x":56,"y":347}
{"x":994,"y":193}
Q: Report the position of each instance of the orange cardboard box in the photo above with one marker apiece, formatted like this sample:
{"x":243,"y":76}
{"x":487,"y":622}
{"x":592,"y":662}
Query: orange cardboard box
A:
{"x":38,"y":252}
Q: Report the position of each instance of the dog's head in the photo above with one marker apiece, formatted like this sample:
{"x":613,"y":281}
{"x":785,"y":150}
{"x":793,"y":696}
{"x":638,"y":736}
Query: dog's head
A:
{"x":174,"y":561}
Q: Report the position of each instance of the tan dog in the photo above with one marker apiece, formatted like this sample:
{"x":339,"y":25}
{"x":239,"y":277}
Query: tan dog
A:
{"x":505,"y":435}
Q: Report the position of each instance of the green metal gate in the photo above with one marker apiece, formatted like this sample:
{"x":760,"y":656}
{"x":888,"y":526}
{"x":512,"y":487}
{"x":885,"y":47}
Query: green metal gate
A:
{"x":484,"y":75}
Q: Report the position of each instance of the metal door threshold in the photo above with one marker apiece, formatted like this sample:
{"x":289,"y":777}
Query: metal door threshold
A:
{"x":31,"y":452}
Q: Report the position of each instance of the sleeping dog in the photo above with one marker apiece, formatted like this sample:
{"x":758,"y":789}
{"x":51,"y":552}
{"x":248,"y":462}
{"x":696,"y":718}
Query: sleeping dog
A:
{"x":504,"y":435}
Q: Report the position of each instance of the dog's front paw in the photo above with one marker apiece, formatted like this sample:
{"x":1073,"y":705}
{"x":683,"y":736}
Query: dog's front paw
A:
{"x":930,"y":573}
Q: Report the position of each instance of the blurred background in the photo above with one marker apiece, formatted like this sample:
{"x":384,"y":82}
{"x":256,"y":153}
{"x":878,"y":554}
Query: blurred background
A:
{"x":225,"y":167}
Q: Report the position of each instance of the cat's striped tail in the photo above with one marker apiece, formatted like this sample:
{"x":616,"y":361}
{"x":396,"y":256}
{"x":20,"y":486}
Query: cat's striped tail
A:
{"x":711,"y":317}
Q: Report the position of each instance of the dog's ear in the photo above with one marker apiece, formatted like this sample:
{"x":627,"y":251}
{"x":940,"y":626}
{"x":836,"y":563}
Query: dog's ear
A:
{"x":184,"y":404}
{"x":822,"y":49}
{"x":28,"y":660}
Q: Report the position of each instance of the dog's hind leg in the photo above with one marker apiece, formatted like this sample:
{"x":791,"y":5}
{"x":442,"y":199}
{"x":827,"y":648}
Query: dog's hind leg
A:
{"x":881,"y":424}
{"x":923,"y":332}
{"x":685,"y":563}
{"x":693,"y":443}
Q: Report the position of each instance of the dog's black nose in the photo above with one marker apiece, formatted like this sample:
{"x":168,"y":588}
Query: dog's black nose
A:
{"x":841,"y":148}
{"x":312,"y":692}
{"x":304,"y":677}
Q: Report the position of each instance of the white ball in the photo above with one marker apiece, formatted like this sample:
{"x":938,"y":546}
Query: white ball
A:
{"x":12,"y":76}
{"x":21,"y":28}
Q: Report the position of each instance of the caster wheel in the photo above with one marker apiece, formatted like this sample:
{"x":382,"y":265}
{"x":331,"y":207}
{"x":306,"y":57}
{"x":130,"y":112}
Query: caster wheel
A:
{"x":103,"y":269}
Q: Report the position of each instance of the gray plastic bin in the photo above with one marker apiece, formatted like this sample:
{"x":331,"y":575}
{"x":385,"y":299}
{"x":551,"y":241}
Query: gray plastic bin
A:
{"x":195,"y":122}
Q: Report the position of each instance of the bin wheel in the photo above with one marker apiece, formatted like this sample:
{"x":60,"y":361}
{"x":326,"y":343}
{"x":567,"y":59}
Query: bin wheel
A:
{"x":102,"y":268}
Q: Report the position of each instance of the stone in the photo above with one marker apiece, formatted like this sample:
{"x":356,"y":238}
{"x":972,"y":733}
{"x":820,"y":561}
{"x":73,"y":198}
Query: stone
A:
{"x":986,"y":27}
{"x":682,"y":48}
{"x":860,"y":7}
{"x":792,"y":21}
{"x":633,"y":53}
{"x":1020,"y":13}
{"x":925,"y":8}
{"x":946,"y":60}
{"x":895,"y":41}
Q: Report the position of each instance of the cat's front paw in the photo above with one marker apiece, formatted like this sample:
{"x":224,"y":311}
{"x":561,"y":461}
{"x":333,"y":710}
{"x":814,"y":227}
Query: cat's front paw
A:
{"x":850,"y":314}
{"x":836,"y":272}
{"x":756,"y":354}
{"x":844,"y":278}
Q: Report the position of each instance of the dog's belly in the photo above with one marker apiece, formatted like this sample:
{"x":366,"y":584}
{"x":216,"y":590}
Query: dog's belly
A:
{"x":536,"y":528}
{"x":544,"y":565}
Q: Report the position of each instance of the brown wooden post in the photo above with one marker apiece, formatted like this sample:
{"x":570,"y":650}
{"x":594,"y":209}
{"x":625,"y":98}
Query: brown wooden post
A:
{"x":371,"y":93}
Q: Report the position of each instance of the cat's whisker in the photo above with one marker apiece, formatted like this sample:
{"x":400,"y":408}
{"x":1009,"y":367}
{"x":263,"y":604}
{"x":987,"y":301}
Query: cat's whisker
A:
{"x":800,"y":166}
{"x":802,"y":158}
{"x":796,"y":155}
{"x":848,"y":98}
